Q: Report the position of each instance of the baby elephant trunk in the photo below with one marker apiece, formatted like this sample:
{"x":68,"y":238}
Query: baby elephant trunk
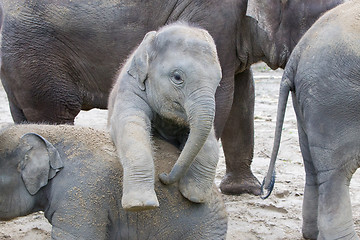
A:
{"x":200,"y":111}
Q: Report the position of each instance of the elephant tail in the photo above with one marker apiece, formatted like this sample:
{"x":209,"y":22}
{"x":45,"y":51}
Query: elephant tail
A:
{"x":269,"y":180}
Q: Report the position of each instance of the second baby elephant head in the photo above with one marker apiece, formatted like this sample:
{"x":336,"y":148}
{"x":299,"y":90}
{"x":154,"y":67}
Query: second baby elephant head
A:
{"x":167,"y":86}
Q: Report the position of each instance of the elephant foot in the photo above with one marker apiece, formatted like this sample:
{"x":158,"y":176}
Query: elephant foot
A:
{"x":236,"y":185}
{"x":310,"y":234}
{"x":310,"y":227}
{"x":195,"y":189}
{"x":139,"y":200}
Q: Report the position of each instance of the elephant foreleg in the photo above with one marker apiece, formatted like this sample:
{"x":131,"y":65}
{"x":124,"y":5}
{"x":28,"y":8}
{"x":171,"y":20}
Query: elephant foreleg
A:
{"x":238,"y":139}
{"x":131,"y":135}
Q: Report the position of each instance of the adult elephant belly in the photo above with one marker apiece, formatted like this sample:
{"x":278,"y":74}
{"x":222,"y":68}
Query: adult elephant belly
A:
{"x":60,"y":58}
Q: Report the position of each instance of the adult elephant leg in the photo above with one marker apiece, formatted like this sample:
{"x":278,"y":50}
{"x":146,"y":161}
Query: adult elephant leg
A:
{"x":310,"y":206}
{"x":238,"y":139}
{"x":50,"y":111}
{"x":224,"y":99}
{"x":53,"y":98}
{"x":56,"y":107}
{"x":334,"y":214}
{"x":311,"y":192}
{"x":16,"y":113}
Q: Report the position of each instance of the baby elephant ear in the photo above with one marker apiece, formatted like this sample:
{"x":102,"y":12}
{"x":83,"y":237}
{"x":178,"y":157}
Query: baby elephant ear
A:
{"x":140,"y":60}
{"x":40,"y":161}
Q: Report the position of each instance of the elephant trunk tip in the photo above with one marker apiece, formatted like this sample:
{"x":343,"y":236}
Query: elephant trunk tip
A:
{"x":267,"y":186}
{"x":176,"y":173}
{"x":165,"y":179}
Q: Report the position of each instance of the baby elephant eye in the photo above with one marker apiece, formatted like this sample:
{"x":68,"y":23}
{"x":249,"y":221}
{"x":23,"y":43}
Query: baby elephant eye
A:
{"x":177,"y":78}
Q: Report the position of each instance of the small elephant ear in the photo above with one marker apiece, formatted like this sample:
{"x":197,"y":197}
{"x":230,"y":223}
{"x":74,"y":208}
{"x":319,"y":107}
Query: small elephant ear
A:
{"x":140,"y":60}
{"x":41,"y":161}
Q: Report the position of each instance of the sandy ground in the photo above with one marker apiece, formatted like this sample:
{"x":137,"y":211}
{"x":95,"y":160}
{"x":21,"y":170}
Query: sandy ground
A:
{"x":278,"y":217}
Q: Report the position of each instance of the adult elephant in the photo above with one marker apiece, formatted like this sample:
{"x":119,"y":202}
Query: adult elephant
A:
{"x":323,"y":77}
{"x":59,"y":58}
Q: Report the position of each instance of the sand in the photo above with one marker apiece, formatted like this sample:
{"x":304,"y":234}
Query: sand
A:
{"x":278,"y":217}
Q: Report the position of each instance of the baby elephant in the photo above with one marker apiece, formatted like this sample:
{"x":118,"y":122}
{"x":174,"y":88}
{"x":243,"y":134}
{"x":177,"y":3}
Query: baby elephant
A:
{"x":167,"y":87}
{"x":74,"y":175}
{"x":323,"y":74}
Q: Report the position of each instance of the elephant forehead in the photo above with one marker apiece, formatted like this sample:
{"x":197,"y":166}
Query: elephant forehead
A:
{"x":192,"y":58}
{"x":185,"y":45}
{"x":186,"y":39}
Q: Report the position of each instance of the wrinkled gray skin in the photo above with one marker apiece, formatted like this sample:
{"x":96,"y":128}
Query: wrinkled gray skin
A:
{"x":74,"y":176}
{"x":59,"y":58}
{"x":168,"y":84}
{"x":324,"y":78}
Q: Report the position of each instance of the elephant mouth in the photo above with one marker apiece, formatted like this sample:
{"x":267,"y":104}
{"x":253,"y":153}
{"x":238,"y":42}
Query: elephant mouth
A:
{"x":173,"y":119}
{"x":176,"y":113}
